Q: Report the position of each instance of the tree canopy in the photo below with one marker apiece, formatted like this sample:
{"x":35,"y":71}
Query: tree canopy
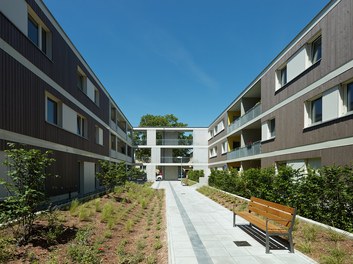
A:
{"x":168,"y":120}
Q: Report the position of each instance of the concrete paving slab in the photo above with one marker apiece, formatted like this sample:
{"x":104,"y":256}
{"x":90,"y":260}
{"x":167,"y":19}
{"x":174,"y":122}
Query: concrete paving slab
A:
{"x":201,"y":231}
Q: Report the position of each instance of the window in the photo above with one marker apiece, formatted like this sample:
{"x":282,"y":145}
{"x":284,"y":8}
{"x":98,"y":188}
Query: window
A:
{"x":113,"y":114}
{"x":210,"y":134}
{"x":81,"y":126}
{"x":99,"y":135}
{"x":113,"y":142}
{"x":38,"y":33}
{"x":224,"y":147}
{"x":213,"y":152}
{"x":80,"y":81}
{"x":283,"y":76}
{"x":52,"y":111}
{"x":33,"y":31}
{"x":272,"y":128}
{"x":316,"y":50}
{"x":316,"y":110}
{"x":96,"y":96}
{"x":349,"y":97}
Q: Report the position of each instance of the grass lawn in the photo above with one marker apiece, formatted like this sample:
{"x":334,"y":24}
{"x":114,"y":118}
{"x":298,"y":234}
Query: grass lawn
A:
{"x":320,"y":244}
{"x":125,"y":226}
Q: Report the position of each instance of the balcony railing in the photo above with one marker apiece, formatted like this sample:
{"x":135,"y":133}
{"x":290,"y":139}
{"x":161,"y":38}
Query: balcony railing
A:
{"x":249,"y":150}
{"x":174,"y":142}
{"x":175,"y":160}
{"x":249,"y":115}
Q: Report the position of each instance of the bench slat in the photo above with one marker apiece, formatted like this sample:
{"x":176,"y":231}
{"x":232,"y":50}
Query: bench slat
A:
{"x":274,"y":205}
{"x":280,"y":220}
{"x":262,"y":224}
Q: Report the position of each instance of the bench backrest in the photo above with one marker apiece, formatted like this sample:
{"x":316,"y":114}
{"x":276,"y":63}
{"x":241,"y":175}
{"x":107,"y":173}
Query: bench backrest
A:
{"x":283,"y":214}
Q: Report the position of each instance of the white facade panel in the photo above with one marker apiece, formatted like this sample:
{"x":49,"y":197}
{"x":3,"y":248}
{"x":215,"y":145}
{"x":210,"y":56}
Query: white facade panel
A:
{"x":156,"y":155}
{"x":16,"y":12}
{"x":330,"y":104}
{"x":200,"y":137}
{"x":200,"y":155}
{"x":69,"y":119}
{"x":90,"y":89}
{"x":264,"y":131}
{"x":151,"y":137}
{"x":297,"y":64}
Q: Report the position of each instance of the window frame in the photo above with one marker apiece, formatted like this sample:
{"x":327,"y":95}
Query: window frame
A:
{"x":272,"y":128}
{"x":55,"y":113}
{"x":81,"y":126}
{"x":349,"y":93}
{"x":44,"y":35}
{"x":312,"y":109}
{"x":314,"y":49}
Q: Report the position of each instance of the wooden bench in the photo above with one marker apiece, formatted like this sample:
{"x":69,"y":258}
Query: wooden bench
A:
{"x":273,"y":218}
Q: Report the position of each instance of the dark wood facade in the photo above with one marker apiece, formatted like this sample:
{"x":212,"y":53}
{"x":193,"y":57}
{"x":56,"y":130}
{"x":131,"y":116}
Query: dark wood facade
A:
{"x":23,"y":100}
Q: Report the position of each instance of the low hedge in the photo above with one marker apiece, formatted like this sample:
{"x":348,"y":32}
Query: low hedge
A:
{"x":194,"y":175}
{"x":324,"y":195}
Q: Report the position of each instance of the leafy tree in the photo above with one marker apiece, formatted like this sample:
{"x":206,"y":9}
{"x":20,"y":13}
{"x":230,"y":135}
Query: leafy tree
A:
{"x":26,"y":169}
{"x":112,"y":174}
{"x":168,"y":120}
{"x":135,"y":173}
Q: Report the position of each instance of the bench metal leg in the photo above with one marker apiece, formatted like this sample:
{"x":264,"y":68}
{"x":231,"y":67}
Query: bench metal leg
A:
{"x":267,"y":243}
{"x":291,"y":246}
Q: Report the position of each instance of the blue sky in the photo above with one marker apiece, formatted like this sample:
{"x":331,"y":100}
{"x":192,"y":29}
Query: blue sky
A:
{"x":190,"y":58}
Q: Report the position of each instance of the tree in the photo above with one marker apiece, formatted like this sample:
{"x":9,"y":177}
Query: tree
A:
{"x":168,"y":120}
{"x":112,"y":174}
{"x":27,"y":171}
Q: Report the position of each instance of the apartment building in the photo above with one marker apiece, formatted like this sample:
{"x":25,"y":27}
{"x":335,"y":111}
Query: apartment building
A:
{"x":51,"y":99}
{"x":171,"y":151}
{"x":299,"y":110}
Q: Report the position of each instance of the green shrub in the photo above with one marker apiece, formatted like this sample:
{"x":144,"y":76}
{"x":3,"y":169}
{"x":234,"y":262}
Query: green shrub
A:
{"x":107,"y":212}
{"x":7,"y":248}
{"x":194,"y":175}
{"x":73,"y":207}
{"x":323,"y":195}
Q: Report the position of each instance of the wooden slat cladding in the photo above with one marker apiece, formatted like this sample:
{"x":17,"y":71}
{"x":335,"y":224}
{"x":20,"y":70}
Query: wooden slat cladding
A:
{"x":62,"y":68}
{"x":63,"y":173}
{"x":22,"y":109}
{"x":337,"y":49}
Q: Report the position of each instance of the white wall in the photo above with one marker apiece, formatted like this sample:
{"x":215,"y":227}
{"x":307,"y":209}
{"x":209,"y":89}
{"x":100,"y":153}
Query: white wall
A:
{"x":16,"y":12}
{"x":297,"y":64}
{"x":330,"y":104}
{"x":151,"y":137}
{"x":69,"y":119}
{"x":151,"y":172}
{"x":200,"y":155}
{"x":156,"y":155}
{"x":90,"y":89}
{"x":200,"y":137}
{"x":264,"y":131}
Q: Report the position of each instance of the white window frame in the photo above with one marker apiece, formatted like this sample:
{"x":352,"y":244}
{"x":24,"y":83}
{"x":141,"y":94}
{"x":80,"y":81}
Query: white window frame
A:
{"x":58,"y":110}
{"x":224,"y":147}
{"x":99,"y":135}
{"x":96,"y":96}
{"x":279,"y":81}
{"x":318,"y":38}
{"x":308,"y":106}
{"x":41,"y":27}
{"x":81,"y":125}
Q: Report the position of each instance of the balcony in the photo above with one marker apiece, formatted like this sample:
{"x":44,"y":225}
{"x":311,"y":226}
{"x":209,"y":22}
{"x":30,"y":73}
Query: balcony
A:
{"x":175,"y":160}
{"x":174,"y":142}
{"x":250,"y":150}
{"x":249,"y":115}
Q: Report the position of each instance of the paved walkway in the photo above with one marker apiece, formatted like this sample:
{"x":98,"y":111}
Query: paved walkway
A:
{"x":201,"y":231}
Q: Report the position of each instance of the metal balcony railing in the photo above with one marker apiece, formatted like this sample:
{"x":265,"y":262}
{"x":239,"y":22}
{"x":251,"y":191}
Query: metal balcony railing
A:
{"x":249,"y":115}
{"x":249,"y":150}
{"x":174,"y":142}
{"x":175,"y":160}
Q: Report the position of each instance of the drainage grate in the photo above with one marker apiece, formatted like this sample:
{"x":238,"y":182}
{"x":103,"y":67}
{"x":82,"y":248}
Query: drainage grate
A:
{"x":242,"y":243}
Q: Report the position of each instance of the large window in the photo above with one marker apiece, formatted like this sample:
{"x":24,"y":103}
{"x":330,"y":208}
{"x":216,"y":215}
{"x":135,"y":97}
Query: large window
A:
{"x":52,"y":111}
{"x":283,"y":76}
{"x":33,"y":31}
{"x":81,"y":126}
{"x":316,"y":110}
{"x":99,"y":135}
{"x":350,"y":97}
{"x":272,"y":128}
{"x":112,"y":142}
{"x":316,"y":50}
{"x":39,"y":34}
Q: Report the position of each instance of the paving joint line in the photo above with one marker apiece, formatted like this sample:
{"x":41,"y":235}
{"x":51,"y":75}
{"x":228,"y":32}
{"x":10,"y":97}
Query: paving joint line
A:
{"x":200,"y":251}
